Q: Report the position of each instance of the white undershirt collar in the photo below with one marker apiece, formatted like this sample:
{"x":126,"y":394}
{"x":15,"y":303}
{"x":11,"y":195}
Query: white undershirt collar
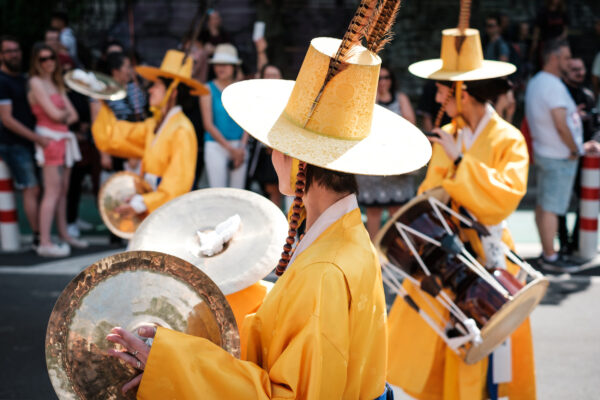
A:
{"x":467,"y":136}
{"x":333,"y":213}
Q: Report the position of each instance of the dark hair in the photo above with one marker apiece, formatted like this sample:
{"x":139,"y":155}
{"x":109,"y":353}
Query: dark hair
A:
{"x":8,"y":38}
{"x":496,"y":17}
{"x":114,"y":61}
{"x":61,"y":15}
{"x":183,"y":92}
{"x":339,"y":182}
{"x":488,"y":89}
{"x":552,"y":47}
{"x":393,"y":82}
{"x":261,"y":73}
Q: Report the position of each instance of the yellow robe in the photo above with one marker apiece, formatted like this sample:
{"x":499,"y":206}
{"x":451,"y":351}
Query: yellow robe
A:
{"x":170,"y":154}
{"x":320,"y":333}
{"x":490,"y":182}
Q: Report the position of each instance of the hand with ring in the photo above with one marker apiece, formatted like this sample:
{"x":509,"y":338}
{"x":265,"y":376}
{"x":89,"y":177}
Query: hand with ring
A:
{"x":135,"y":351}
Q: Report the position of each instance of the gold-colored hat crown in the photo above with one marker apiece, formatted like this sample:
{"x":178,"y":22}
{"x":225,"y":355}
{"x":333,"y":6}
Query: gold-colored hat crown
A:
{"x":461,"y":51}
{"x":172,"y":64}
{"x":345,"y":109}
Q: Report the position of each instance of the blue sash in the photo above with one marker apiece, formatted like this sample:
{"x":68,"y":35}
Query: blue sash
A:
{"x":388,"y":394}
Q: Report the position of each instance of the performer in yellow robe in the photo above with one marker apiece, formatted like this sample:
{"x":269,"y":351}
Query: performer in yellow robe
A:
{"x":482,"y":162}
{"x":321,"y":331}
{"x":168,"y":149}
{"x":166,"y":142}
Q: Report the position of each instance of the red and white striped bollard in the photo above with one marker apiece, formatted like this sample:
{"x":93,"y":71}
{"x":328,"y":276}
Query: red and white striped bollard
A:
{"x":589,"y":206}
{"x":9,"y":226}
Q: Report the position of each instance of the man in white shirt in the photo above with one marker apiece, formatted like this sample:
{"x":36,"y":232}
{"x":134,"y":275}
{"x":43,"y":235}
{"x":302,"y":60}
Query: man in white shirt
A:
{"x":557,"y":135}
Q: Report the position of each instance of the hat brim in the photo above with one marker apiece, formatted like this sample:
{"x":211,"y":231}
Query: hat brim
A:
{"x":394,"y":145}
{"x":153,"y":73}
{"x":432,"y":69}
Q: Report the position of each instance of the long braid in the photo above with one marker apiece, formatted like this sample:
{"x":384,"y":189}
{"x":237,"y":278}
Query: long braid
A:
{"x":286,"y":256}
{"x":442,"y":110}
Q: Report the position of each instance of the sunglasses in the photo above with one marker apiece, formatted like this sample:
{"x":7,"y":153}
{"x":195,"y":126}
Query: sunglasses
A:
{"x":44,"y":59}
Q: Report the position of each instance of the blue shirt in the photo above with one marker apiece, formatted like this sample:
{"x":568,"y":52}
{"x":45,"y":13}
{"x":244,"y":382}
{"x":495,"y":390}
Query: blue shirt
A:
{"x":227,"y":126}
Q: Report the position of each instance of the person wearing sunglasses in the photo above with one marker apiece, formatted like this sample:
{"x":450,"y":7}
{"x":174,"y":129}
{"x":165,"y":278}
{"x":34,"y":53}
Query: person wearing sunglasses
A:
{"x":16,"y":131}
{"x":54,"y":113}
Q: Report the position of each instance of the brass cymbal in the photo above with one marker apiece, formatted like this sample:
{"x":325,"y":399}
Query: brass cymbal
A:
{"x":109,"y":88}
{"x":116,"y":191}
{"x":248,"y":257}
{"x":128,"y":289}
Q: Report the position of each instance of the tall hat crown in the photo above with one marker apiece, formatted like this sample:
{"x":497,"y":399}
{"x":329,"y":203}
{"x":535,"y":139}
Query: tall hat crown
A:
{"x":328,"y":116}
{"x":461,"y":57}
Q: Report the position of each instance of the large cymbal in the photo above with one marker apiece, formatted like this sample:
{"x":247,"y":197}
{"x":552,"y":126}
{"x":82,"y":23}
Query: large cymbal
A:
{"x":117,"y":190}
{"x":128,"y":290}
{"x":109,"y":88}
{"x":249,"y":256}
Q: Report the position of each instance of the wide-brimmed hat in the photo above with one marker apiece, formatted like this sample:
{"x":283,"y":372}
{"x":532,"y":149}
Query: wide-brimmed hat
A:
{"x":173,"y":67}
{"x":225,"y":54}
{"x":346,"y":132}
{"x":461,"y":59}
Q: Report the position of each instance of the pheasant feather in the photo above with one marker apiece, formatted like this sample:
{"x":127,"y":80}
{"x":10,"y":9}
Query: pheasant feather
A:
{"x":353,"y":36}
{"x":380,"y":33}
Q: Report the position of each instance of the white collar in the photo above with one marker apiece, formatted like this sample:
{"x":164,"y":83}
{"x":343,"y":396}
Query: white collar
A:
{"x":170,"y":114}
{"x":333,"y":213}
{"x":467,"y":136}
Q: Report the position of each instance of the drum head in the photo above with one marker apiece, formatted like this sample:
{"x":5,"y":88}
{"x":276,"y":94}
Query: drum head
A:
{"x":116,"y":191}
{"x":508,"y":319}
{"x":129,"y":290}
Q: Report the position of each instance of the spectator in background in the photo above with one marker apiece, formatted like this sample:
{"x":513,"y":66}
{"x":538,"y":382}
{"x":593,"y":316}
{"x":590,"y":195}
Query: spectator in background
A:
{"x":557,"y":136}
{"x":551,"y":23}
{"x":52,"y":39}
{"x":496,"y":47}
{"x":111,"y":46}
{"x":214,"y":34}
{"x":225,"y":141}
{"x":16,"y":131}
{"x":260,"y":167}
{"x":132,"y":108}
{"x":53,"y":112}
{"x":379,"y":192}
{"x":585,"y":101}
{"x":499,"y":50}
{"x":60,"y":22}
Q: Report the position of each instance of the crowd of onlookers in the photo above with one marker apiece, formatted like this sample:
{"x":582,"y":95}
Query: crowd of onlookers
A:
{"x":43,"y":123}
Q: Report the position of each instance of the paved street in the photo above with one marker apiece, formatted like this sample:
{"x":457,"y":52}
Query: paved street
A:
{"x":565,"y":326}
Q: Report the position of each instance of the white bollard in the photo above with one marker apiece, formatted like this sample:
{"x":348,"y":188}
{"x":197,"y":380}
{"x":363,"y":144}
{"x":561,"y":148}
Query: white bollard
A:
{"x":9,"y":227}
{"x":589,"y":206}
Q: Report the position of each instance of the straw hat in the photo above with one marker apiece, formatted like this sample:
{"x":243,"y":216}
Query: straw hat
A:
{"x":225,"y":54}
{"x":172,"y":67}
{"x":461,"y":60}
{"x":347,"y":132}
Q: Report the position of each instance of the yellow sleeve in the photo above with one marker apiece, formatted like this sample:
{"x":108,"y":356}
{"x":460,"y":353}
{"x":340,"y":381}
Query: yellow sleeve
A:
{"x":492,"y":193}
{"x":179,"y":175}
{"x":436,"y":170}
{"x":120,"y":138}
{"x":306,"y":358}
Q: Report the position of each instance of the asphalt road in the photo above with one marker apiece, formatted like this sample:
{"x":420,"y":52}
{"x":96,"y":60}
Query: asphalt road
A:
{"x":565,"y":328}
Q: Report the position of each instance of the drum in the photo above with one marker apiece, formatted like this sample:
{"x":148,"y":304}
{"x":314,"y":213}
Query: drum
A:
{"x":117,"y":190}
{"x":422,"y":244}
